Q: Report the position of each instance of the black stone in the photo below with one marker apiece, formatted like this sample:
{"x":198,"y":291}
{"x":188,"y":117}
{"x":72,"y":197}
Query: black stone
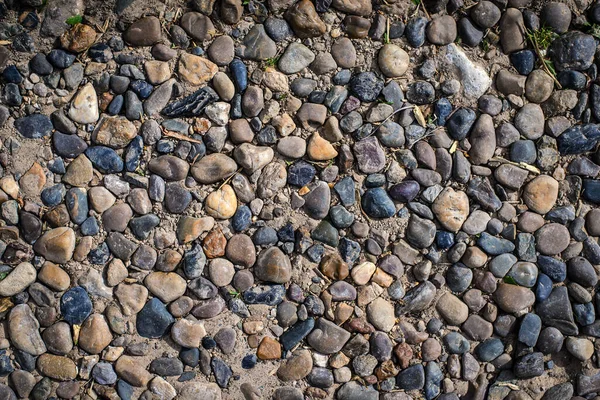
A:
{"x":296,"y":333}
{"x":192,"y":105}
{"x":75,"y":305}
{"x":153,"y":321}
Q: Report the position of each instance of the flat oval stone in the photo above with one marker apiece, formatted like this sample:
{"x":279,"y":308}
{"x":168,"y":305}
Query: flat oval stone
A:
{"x":18,"y":279}
{"x":169,"y":167}
{"x":513,"y":298}
{"x":213,"y":168}
{"x":34,"y":126}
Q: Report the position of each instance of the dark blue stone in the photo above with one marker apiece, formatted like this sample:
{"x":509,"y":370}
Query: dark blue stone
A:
{"x":165,"y":146}
{"x":198,"y":150}
{"x":53,"y":195}
{"x":349,"y":250}
{"x":543,"y":287}
{"x":222,"y":371}
{"x":523,"y":61}
{"x":186,"y":376}
{"x":377,"y":204}
{"x":194,"y":261}
{"x":531,"y":325}
{"x":442,"y":111}
{"x":277,"y":28}
{"x":456,"y":343}
{"x":133,"y":106}
{"x":57,"y":166}
{"x":249,"y":361}
{"x":208,"y":342}
{"x":267,"y":136}
{"x":133,"y":154}
{"x":494,"y":245}
{"x":90,"y":227}
{"x":458,"y":278}
{"x":366,"y":86}
{"x":523,"y":151}
{"x":315,"y":253}
{"x":12,"y":75}
{"x":286,"y":233}
{"x":77,"y":205}
{"x":116,"y":105}
{"x":342,"y":77}
{"x":40,"y":65}
{"x":433,"y":380}
{"x":296,"y":333}
{"x":555,"y":269}
{"x":345,"y":189}
{"x":573,"y":50}
{"x":415,"y":31}
{"x":412,"y":378}
{"x":190,"y":357}
{"x":317,"y":97}
{"x":561,"y":215}
{"x":12,"y":95}
{"x":75,"y":305}
{"x":375,"y":180}
{"x":489,"y":349}
{"x":153,"y":320}
{"x":142,"y":226}
{"x":239,"y":72}
{"x":242,"y":219}
{"x":124,"y":390}
{"x":469,"y":33}
{"x":266,"y":294}
{"x":444,"y":240}
{"x":5,"y":365}
{"x":301,"y":173}
{"x":197,"y":51}
{"x":100,"y":52}
{"x":584,"y":313}
{"x":60,"y":58}
{"x":460,"y":123}
{"x":105,"y":159}
{"x":572,"y":80}
{"x":34,"y":126}
{"x":25,"y":360}
{"x":99,"y":255}
{"x":579,"y":139}
{"x":69,"y":146}
{"x":340,"y":217}
{"x":591,"y":190}
{"x":236,"y":107}
{"x":264,"y":235}
{"x":142,"y":88}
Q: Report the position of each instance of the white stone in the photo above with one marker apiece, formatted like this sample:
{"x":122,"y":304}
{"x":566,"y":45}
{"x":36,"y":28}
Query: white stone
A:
{"x":84,"y":108}
{"x":473,"y":77}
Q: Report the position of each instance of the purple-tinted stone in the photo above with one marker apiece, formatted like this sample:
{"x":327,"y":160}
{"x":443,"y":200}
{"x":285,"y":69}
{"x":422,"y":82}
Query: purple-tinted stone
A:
{"x":405,"y":191}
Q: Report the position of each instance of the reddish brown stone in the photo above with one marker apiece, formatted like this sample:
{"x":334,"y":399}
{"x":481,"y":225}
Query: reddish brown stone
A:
{"x":333,"y":267}
{"x":359,"y":325}
{"x":214,"y":244}
{"x":404,"y":354}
